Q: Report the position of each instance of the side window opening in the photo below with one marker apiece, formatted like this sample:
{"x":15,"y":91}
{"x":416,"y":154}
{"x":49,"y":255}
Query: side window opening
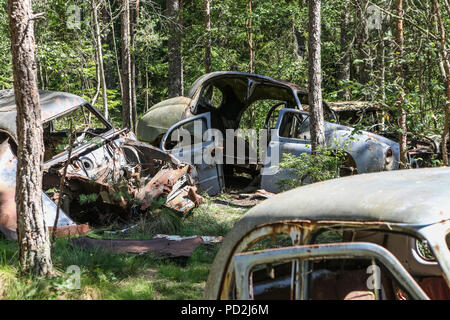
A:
{"x":211,"y":98}
{"x":327,"y":113}
{"x":187,"y":134}
{"x":294,"y":126}
{"x":255,"y":115}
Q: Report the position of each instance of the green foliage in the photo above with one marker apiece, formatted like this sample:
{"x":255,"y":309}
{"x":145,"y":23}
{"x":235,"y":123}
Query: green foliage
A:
{"x":88,"y":198}
{"x":66,"y":56}
{"x":163,"y":221}
{"x":323,"y":165}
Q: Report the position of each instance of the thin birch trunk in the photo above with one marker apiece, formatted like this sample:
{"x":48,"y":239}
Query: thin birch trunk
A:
{"x":317,"y":127}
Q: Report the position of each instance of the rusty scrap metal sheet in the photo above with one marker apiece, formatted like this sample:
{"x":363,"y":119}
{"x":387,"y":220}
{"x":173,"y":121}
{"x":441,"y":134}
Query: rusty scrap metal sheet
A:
{"x":171,"y":182}
{"x":184,"y":199}
{"x":158,"y":247}
{"x":71,"y":230}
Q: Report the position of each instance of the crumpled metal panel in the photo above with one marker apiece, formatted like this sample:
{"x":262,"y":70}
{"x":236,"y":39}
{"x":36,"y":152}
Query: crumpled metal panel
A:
{"x":71,"y":230}
{"x":175,"y":184}
{"x":8,"y":217}
{"x":158,"y":247}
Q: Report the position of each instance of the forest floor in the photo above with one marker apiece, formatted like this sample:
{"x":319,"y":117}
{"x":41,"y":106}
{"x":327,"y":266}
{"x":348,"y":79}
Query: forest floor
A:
{"x":114,"y":276}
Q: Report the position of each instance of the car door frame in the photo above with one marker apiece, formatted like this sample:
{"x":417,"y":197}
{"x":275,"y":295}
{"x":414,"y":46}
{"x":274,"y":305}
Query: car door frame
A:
{"x":270,"y":172}
{"x":211,"y":177}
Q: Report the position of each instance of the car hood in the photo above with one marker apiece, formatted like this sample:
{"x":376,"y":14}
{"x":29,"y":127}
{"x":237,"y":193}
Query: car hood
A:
{"x":331,"y":129}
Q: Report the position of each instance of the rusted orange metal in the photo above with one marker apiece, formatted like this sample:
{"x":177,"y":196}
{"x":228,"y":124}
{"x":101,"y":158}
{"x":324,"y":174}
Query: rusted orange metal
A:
{"x":159,"y":246}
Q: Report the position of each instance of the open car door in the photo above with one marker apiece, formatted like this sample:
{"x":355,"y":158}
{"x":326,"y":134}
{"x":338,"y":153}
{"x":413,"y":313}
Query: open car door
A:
{"x":190,"y":140}
{"x":290,"y":135}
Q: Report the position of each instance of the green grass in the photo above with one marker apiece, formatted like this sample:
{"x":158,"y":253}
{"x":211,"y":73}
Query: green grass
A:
{"x":113,"y":276}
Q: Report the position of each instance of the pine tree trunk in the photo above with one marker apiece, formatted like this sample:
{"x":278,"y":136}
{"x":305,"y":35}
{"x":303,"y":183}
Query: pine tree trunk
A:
{"x":33,"y":237}
{"x":175,"y":54}
{"x":447,"y":6}
{"x":317,"y":127}
{"x":146,"y":89}
{"x":251,"y":65}
{"x":134,"y":15}
{"x":401,"y":93}
{"x":362,"y":38}
{"x":113,"y":32}
{"x":208,"y":36}
{"x":345,"y":41}
{"x":100,"y":65}
{"x":383,"y":80}
{"x":446,"y":74}
{"x":126,"y":66}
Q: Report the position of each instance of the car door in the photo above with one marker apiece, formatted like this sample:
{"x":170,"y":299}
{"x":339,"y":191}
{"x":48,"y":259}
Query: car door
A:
{"x":193,"y":150}
{"x":290,"y":135}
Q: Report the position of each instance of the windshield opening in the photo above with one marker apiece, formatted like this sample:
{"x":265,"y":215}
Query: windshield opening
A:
{"x":80,"y":126}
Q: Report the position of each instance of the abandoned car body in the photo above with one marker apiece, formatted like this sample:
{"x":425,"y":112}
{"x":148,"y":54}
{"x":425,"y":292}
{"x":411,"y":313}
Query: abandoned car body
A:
{"x":373,"y":236}
{"x":109,"y":174}
{"x":219,"y":101}
{"x":376,"y":118}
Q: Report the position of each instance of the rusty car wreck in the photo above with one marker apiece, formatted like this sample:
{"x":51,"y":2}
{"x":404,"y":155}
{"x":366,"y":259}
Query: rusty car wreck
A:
{"x":377,"y":117}
{"x":219,"y":100}
{"x":372,"y":236}
{"x":110,"y":175}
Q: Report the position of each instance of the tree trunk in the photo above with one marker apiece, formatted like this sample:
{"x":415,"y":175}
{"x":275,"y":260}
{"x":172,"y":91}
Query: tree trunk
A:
{"x":100,"y":66}
{"x":447,"y":6}
{"x":317,"y":127}
{"x":362,"y":38}
{"x":113,"y":31}
{"x":251,"y":65}
{"x":33,"y":236}
{"x":446,"y":74}
{"x":401,"y":93}
{"x":208,"y":36}
{"x":383,"y":81}
{"x":146,"y":88}
{"x":346,"y":47}
{"x":134,"y":15}
{"x":126,"y":66}
{"x":175,"y":51}
{"x":299,"y":43}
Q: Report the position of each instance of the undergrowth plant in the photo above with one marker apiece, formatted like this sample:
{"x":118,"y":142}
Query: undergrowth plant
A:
{"x":323,"y":165}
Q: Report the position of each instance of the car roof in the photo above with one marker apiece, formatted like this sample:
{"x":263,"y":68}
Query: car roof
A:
{"x":52,"y":103}
{"x":414,"y":197}
{"x":234,"y":74}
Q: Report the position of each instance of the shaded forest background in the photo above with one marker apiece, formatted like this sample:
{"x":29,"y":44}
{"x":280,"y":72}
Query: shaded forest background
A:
{"x":358,"y":49}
